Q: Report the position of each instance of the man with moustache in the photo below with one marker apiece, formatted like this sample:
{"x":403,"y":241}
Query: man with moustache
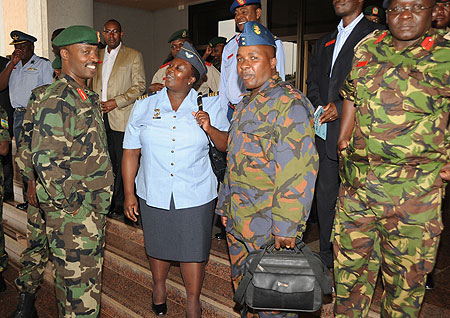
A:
{"x":441,"y":15}
{"x":394,"y":155}
{"x":23,"y":73}
{"x":330,"y":65}
{"x":119,"y":81}
{"x":272,"y":160}
{"x":69,"y":153}
{"x":231,"y":85}
{"x":215,"y":50}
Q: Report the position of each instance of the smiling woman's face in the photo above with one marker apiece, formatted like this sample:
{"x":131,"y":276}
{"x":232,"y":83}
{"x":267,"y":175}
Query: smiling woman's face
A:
{"x":179,"y":75}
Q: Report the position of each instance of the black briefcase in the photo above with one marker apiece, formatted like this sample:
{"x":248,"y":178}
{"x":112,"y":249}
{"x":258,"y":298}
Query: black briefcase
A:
{"x":284,"y":280}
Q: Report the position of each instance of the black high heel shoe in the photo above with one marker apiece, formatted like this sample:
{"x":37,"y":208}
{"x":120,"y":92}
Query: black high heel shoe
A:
{"x":159,"y":310}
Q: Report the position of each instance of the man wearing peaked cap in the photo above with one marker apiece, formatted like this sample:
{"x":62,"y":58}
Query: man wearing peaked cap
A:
{"x":231,"y":85}
{"x":215,"y":50}
{"x":23,"y":73}
{"x":441,"y":14}
{"x":75,"y":178}
{"x":256,"y":205}
{"x":209,"y":83}
{"x":388,"y":217}
{"x":374,"y":14}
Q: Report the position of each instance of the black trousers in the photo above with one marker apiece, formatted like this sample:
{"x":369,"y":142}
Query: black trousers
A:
{"x":115,"y":141}
{"x":8,"y":171}
{"x":327,"y":190}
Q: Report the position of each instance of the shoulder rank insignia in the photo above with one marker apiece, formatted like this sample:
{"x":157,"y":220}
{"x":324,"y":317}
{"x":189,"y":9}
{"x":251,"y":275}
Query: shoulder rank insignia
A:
{"x":143,"y":96}
{"x":213,"y":94}
{"x":4,"y":123}
{"x":82,"y":94}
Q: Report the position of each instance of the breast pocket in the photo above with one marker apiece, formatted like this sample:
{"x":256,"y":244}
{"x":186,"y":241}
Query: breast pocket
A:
{"x":421,"y":96}
{"x":257,"y":139}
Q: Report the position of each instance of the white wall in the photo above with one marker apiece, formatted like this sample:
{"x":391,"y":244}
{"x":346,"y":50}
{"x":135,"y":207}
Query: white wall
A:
{"x":64,"y":13}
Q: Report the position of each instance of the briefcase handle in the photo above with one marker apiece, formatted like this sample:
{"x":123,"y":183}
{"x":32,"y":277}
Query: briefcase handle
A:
{"x":320,"y":272}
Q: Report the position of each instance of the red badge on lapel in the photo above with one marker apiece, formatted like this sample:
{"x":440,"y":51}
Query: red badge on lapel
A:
{"x":381,"y":37}
{"x":82,"y":94}
{"x":330,"y":42}
{"x":428,"y":43}
{"x":362,"y":63}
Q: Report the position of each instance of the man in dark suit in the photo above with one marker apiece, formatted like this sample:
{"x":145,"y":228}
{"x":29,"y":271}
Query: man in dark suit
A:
{"x":331,"y":63}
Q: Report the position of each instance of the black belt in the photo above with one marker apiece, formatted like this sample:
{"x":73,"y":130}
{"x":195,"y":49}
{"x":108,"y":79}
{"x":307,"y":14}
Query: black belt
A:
{"x":20,"y":109}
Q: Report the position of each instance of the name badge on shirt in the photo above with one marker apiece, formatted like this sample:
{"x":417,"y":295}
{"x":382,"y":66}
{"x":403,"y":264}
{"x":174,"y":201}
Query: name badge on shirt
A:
{"x":157,"y":114}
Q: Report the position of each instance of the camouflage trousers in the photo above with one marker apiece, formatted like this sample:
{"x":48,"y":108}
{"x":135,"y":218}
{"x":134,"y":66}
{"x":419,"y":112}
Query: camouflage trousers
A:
{"x":35,"y":257}
{"x":371,"y":232}
{"x":76,"y":245}
{"x":3,"y":254}
{"x":238,"y":251}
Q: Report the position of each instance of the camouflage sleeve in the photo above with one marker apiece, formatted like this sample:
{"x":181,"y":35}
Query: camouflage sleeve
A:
{"x":296,"y":166}
{"x":23,"y":157}
{"x":348,"y":89}
{"x":53,"y":135}
{"x":224,"y":197}
{"x":4,"y":133}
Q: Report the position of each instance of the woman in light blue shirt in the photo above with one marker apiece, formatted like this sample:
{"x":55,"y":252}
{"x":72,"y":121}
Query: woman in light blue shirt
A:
{"x":175,"y":182}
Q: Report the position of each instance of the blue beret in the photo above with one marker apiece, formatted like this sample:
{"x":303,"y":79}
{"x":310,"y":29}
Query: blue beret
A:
{"x":188,"y":53}
{"x":241,"y":3}
{"x":20,"y":37}
{"x":255,"y":33}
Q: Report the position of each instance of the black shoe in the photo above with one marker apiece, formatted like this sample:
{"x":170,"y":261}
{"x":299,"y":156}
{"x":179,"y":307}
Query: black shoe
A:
{"x":25,"y":307}
{"x":22,"y":206}
{"x":220,"y":236}
{"x":2,"y":283}
{"x":159,"y":310}
{"x":429,"y":283}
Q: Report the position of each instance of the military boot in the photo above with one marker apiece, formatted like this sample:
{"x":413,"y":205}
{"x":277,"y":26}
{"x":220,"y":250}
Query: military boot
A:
{"x":25,"y":307}
{"x":2,"y":283}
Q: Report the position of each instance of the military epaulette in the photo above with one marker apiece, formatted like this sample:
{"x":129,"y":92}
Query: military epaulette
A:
{"x":43,"y":58}
{"x":381,"y":37}
{"x":164,"y":65}
{"x":58,"y":87}
{"x":211,"y":94}
{"x":40,"y":90}
{"x":146,"y":95}
{"x":231,"y":39}
{"x":364,"y":39}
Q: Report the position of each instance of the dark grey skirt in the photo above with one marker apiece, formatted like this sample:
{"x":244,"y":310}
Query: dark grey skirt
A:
{"x":182,"y":235}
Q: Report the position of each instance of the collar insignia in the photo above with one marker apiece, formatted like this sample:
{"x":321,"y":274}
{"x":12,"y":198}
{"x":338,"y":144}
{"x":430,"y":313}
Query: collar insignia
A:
{"x":82,"y":94}
{"x":428,"y":43}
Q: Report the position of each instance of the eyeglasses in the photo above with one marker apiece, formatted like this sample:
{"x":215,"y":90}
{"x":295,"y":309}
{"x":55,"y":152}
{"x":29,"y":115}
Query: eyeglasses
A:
{"x":111,"y":31}
{"x":415,"y":8}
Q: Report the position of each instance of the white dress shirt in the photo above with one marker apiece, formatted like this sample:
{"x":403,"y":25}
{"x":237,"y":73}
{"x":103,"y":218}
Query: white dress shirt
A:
{"x":342,"y":36}
{"x":108,"y":63}
{"x":174,"y":150}
{"x":24,"y":78}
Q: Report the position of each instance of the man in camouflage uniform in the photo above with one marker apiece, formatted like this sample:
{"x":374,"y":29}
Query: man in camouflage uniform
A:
{"x":394,"y":145}
{"x":69,"y":155}
{"x":35,"y":257}
{"x":5,"y":139}
{"x":272,"y":159}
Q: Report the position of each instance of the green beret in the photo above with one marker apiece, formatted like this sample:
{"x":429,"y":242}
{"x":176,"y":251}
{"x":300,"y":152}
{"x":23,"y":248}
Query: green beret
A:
{"x":77,"y":34}
{"x":180,"y":34}
{"x":217,"y":40}
{"x":375,"y":11}
{"x":56,"y":64}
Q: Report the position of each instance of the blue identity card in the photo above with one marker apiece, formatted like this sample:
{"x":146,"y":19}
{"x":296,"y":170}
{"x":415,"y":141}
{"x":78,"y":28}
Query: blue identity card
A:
{"x":321,"y":130}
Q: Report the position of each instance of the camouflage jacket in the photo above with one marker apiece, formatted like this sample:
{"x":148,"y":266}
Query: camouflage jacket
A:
{"x":68,"y":146}
{"x":402,"y":114}
{"x":4,"y":136}
{"x":272,"y":164}
{"x":23,"y":157}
